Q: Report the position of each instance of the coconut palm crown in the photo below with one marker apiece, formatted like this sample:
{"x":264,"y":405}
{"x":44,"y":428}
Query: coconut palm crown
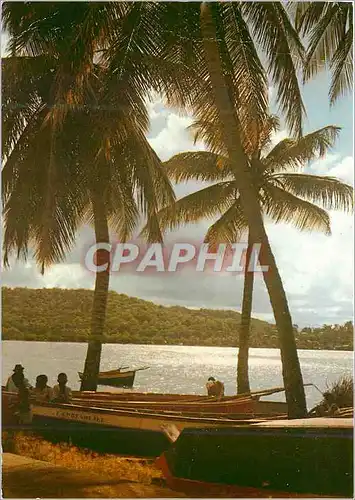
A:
{"x":286,"y":194}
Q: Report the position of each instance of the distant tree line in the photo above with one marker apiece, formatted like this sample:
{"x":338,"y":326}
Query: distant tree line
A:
{"x":64,"y":315}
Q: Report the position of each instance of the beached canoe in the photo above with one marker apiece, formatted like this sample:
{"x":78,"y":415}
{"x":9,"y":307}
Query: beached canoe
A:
{"x":132,"y":396}
{"x":247,"y":406}
{"x":117,"y":378}
{"x":279,"y":459}
{"x":142,"y":433}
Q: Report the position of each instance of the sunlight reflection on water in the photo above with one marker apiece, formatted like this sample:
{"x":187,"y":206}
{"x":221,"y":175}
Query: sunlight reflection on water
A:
{"x":176,"y":369}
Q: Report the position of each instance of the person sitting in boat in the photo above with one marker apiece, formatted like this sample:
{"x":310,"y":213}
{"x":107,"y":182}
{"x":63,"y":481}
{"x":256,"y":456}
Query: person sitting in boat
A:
{"x":16,"y":378}
{"x":215,"y":388}
{"x":42,"y":392}
{"x":61,"y":392}
{"x":22,"y":407}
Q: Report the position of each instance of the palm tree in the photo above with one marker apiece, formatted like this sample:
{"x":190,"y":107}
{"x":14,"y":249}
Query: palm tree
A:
{"x":102,"y":62}
{"x":328,"y":29}
{"x":96,"y":167}
{"x":283,"y":196}
{"x":231,"y":125}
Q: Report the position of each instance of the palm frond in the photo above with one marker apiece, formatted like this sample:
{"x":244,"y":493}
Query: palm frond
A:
{"x":324,"y":36}
{"x":207,"y":203}
{"x":210,"y":133}
{"x":152,"y":185}
{"x":281,"y":46}
{"x":298,"y":11}
{"x":329,"y":29}
{"x":291,"y":153}
{"x":37,"y":214}
{"x":199,"y":166}
{"x":26,"y":84}
{"x":256,"y":136}
{"x":247,"y":73}
{"x":342,"y":66}
{"x":282,"y":206}
{"x":264,"y":137}
{"x":330,"y":193}
{"x":228,"y":228}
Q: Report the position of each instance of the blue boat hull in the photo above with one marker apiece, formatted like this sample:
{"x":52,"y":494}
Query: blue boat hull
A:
{"x":316,"y":461}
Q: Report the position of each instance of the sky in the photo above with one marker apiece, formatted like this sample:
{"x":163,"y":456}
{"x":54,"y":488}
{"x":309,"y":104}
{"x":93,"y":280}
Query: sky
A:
{"x":317,"y":270}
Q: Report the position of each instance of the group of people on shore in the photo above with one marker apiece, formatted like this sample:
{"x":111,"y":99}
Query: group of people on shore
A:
{"x":17,"y":383}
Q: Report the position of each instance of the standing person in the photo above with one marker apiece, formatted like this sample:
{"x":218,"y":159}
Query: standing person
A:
{"x":16,"y":378}
{"x":22,"y":407}
{"x":42,"y":392}
{"x":62,"y":393}
{"x":215,"y":388}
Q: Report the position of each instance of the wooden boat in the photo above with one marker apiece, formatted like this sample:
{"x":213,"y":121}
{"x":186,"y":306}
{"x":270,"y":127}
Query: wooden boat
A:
{"x":246,"y":406}
{"x":304,"y":458}
{"x":117,"y":378}
{"x":124,"y":431}
{"x":130,"y":395}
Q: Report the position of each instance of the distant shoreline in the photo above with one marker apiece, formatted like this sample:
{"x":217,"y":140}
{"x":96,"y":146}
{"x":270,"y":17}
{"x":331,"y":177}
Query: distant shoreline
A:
{"x":173,"y":345}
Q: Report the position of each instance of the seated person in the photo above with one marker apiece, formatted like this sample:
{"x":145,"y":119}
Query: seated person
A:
{"x":42,"y":392}
{"x":61,"y":393}
{"x":16,"y":378}
{"x":215,"y":388}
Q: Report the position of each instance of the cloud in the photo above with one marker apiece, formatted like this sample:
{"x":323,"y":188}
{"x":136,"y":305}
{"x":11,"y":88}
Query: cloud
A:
{"x":174,"y":137}
{"x":335,"y":166}
{"x":277,"y":137}
{"x":344,"y":170}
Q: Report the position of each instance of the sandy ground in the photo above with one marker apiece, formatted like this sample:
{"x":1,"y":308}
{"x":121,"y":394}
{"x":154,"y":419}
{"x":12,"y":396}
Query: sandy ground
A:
{"x":24,"y":477}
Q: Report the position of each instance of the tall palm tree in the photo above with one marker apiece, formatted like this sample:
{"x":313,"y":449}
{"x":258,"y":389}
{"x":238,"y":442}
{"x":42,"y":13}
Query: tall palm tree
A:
{"x":328,"y":29}
{"x":102,"y":60}
{"x":96,"y":167}
{"x":284,"y":196}
{"x":230,"y":127}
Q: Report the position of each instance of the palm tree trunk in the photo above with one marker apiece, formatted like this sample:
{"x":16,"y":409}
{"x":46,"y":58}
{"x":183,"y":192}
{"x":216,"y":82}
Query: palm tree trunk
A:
{"x":291,"y":370}
{"x":98,"y":315}
{"x":243,"y":385}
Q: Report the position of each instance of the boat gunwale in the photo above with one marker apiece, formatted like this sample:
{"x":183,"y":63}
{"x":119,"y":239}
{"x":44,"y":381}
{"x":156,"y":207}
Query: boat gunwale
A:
{"x":214,"y":402}
{"x":117,"y":375}
{"x":257,"y":410}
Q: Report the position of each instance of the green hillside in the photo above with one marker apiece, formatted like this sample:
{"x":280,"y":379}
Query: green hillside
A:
{"x":64,"y":315}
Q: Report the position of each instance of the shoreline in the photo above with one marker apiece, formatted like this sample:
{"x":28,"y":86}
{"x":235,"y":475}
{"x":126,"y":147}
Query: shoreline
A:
{"x":73,"y":341}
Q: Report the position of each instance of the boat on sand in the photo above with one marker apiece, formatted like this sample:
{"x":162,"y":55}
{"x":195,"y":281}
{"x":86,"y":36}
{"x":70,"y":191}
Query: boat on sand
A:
{"x":111,"y":430}
{"x":280,"y":459}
